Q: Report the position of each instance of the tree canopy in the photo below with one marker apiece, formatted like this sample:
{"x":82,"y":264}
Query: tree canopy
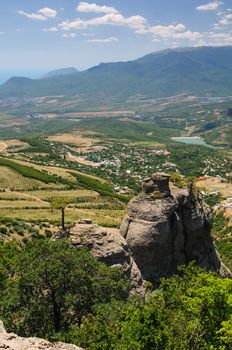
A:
{"x":54,"y":286}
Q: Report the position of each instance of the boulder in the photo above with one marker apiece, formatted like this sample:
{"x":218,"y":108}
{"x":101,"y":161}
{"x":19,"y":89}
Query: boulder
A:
{"x":108,"y":246}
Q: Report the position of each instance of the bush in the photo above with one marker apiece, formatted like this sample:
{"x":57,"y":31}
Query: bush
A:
{"x":3,"y":230}
{"x":25,"y":240}
{"x":48,"y":233}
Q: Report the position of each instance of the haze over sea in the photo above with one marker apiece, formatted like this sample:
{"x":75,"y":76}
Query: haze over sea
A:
{"x":5,"y":75}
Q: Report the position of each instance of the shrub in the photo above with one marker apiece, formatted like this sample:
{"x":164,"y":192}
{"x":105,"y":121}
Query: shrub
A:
{"x":3,"y":230}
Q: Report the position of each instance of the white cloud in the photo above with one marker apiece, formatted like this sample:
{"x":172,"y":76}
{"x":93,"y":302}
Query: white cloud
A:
{"x":220,"y":39}
{"x":112,"y":39}
{"x":52,"y":29}
{"x":2,"y":33}
{"x":41,"y":15}
{"x":34,"y":16}
{"x":92,"y":7}
{"x":48,"y":12}
{"x":225,"y":20}
{"x":171,"y":32}
{"x":69,"y":35}
{"x":211,"y":6}
{"x":135,"y":22}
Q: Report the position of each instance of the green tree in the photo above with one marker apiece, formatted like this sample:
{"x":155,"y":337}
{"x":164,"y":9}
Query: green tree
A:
{"x":189,"y":311}
{"x":61,"y":204}
{"x":55,"y":286}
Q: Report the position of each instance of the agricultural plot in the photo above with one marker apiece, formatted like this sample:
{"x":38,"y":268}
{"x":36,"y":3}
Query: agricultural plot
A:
{"x":100,"y":216}
{"x":13,"y":180}
{"x":27,"y":199}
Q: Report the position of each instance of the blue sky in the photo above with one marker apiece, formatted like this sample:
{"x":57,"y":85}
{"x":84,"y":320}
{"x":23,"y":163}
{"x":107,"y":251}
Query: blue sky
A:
{"x":39,"y":35}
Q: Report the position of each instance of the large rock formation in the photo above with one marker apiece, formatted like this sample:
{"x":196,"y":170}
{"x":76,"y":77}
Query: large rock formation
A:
{"x":163,"y":229}
{"x":11,"y":341}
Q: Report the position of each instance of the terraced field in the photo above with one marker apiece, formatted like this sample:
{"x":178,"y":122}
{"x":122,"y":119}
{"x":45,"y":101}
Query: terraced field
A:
{"x":28,"y":200}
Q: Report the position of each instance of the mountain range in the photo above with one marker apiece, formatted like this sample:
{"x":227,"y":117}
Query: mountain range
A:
{"x":200,"y":71}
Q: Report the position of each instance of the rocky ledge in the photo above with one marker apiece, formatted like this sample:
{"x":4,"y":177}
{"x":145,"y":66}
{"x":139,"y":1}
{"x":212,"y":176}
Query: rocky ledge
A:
{"x":163,"y":229}
{"x":11,"y":341}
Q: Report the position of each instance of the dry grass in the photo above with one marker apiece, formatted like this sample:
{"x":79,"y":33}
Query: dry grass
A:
{"x":211,"y":184}
{"x":102,"y":217}
{"x":21,"y":204}
{"x":77,"y":138}
{"x":3,"y":146}
{"x":80,"y":160}
{"x":11,"y":179}
{"x":15,"y":144}
{"x":61,"y":193}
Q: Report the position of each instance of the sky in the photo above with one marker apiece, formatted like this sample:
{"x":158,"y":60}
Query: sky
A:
{"x":37,"y":36}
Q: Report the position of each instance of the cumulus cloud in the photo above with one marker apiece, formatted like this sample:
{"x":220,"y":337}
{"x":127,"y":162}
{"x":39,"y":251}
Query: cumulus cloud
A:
{"x":169,"y":34}
{"x":41,"y":15}
{"x":172,"y":32}
{"x":211,"y":6}
{"x":92,"y":7}
{"x":69,"y":35}
{"x":52,"y":29}
{"x":48,"y":12}
{"x":112,"y":39}
{"x":135,"y":22}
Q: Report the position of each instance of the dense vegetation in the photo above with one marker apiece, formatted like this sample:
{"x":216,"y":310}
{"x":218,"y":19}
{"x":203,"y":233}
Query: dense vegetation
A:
{"x":222,"y":233}
{"x":47,"y":287}
{"x":51,"y":290}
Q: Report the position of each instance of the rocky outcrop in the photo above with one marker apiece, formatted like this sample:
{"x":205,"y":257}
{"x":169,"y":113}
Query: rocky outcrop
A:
{"x":11,"y":341}
{"x":108,"y":246}
{"x":164,"y":229}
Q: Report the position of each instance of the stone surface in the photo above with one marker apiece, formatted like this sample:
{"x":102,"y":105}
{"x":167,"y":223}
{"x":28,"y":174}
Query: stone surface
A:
{"x":165,"y":229}
{"x":108,"y":246}
{"x":11,"y":341}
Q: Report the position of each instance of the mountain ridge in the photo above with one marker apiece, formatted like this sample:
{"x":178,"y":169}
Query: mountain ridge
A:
{"x":201,"y":71}
{"x":59,"y":72}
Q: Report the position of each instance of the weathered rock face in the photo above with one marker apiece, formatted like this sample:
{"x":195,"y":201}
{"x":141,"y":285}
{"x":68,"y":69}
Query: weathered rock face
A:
{"x":164,"y":230}
{"x":108,"y":246}
{"x":11,"y":341}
